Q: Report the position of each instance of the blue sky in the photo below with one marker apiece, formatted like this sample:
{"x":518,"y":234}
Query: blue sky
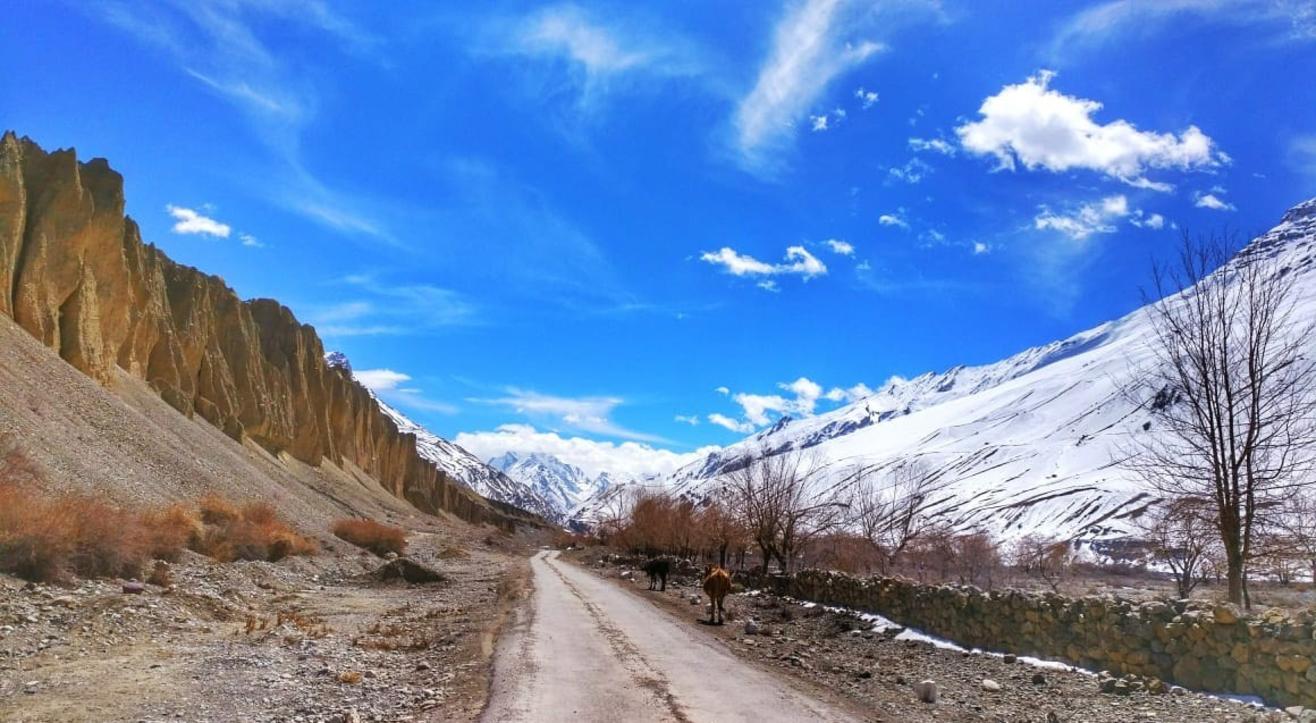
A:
{"x":622,"y":232}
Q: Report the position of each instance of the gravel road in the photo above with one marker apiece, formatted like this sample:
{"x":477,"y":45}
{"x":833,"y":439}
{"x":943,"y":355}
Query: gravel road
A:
{"x":584,"y":650}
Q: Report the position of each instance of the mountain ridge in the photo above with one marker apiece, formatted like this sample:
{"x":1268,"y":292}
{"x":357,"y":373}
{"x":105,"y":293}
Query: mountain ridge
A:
{"x":76,"y":275}
{"x":1031,"y":443}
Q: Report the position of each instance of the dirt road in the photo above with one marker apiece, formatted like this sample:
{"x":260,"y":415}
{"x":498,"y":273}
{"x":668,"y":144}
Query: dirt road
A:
{"x":585,"y":650}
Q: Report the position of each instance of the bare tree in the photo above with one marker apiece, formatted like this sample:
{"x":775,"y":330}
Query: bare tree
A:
{"x":892,"y":511}
{"x":1231,"y":389}
{"x":1296,"y":526}
{"x":782,"y":503}
{"x":1180,"y":534}
{"x":1044,"y":557}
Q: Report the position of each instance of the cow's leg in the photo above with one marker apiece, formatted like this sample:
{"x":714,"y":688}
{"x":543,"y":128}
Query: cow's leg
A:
{"x":662,"y":587}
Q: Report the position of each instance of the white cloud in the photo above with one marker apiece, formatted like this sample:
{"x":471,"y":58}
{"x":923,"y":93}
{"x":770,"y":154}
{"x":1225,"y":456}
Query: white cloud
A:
{"x":914,"y":171}
{"x":807,"y":53}
{"x":628,"y":459}
{"x":932,"y":145}
{"x":1086,"y":220}
{"x":798,"y":262}
{"x":844,"y":248}
{"x":723,"y":420}
{"x":689,"y":419}
{"x":769,"y":285}
{"x":980,"y":248}
{"x":380,"y":380}
{"x":853,"y":394}
{"x":893,"y":219}
{"x":866,"y":97}
{"x":722,"y":390}
{"x":189,"y":221}
{"x":818,"y":123}
{"x":1031,"y":125}
{"x":1148,"y":220}
{"x":760,"y":409}
{"x":388,"y":384}
{"x":250,"y":241}
{"x":586,"y":414}
{"x":755,"y":407}
{"x":1212,"y":201}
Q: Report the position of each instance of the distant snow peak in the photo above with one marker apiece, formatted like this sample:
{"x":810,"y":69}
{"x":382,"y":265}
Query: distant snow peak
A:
{"x":338,"y":360}
{"x":564,"y":486}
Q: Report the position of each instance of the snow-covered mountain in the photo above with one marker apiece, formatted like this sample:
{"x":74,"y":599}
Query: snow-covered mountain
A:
{"x":1028,"y":444}
{"x":459,"y":463}
{"x":563,"y":486}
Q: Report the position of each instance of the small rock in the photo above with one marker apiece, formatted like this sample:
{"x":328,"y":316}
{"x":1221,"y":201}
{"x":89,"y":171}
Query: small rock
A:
{"x":1122,"y":687}
{"x":1010,"y":658}
{"x":1039,"y":679}
{"x":1295,"y":711}
{"x":1051,"y":717}
{"x":132,"y":587}
{"x":991,"y":686}
{"x":926,"y":691}
{"x":751,"y":627}
{"x":422,"y":665}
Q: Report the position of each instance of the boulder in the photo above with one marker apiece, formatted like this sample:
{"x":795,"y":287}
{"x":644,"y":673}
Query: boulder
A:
{"x":406,"y":569}
{"x":926,"y":691}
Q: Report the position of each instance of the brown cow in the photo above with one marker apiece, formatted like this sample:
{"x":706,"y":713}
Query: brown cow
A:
{"x":717,"y":583}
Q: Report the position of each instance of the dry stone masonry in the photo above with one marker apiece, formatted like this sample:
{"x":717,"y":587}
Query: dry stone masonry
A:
{"x":1210,"y":647}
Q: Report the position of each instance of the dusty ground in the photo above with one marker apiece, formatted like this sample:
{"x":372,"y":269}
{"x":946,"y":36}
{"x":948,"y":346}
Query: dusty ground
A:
{"x":877,"y":673}
{"x":306,"y":639}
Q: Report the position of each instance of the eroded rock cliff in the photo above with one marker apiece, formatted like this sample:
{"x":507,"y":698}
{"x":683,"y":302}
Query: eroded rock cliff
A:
{"x":75,"y":273}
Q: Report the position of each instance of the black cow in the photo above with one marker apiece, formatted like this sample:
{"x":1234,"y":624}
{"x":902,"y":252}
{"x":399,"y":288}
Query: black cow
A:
{"x":657,"y":568}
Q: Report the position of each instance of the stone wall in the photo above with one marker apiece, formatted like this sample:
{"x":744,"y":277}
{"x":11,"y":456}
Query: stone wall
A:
{"x":1210,"y":647}
{"x":75,"y":274}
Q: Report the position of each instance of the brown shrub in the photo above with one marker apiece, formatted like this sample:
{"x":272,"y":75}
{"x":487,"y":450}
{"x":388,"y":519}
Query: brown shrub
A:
{"x":376,"y":537}
{"x":45,"y":538}
{"x":216,"y":510}
{"x":251,"y":532}
{"x":170,"y":530}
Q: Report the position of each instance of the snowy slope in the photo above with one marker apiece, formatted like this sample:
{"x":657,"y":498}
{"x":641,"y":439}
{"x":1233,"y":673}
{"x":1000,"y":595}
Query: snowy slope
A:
{"x":1028,"y":444}
{"x":458,"y":463}
{"x":563,"y":486}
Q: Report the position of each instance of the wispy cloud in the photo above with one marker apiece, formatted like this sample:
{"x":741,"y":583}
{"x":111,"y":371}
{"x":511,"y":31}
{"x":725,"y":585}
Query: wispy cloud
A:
{"x":189,"y":221}
{"x":589,"y":54}
{"x":224,"y":46}
{"x":895,"y":219}
{"x":590,"y":414}
{"x":867,"y":98}
{"x":1086,"y":220}
{"x":392,"y":309}
{"x":394,"y":387}
{"x":734,"y":425}
{"x":798,"y":262}
{"x":1031,"y":125}
{"x":810,"y":49}
{"x":1276,"y":20}
{"x":1212,"y":200}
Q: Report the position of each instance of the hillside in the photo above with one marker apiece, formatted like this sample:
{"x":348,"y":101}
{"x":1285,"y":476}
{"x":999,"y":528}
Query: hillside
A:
{"x":1032,"y":443}
{"x":76,"y":276}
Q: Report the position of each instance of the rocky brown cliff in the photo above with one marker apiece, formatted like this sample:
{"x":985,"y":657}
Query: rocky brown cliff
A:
{"x":75,"y":274}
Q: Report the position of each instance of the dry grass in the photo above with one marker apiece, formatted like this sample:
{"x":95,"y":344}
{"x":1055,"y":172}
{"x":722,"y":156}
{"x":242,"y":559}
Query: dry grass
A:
{"x":378,"y":538}
{"x":48,"y":537}
{"x":250,"y":532}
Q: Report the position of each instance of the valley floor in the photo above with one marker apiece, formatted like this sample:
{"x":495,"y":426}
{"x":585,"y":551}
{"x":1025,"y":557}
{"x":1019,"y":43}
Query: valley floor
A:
{"x":836,"y":656}
{"x":306,"y":639}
